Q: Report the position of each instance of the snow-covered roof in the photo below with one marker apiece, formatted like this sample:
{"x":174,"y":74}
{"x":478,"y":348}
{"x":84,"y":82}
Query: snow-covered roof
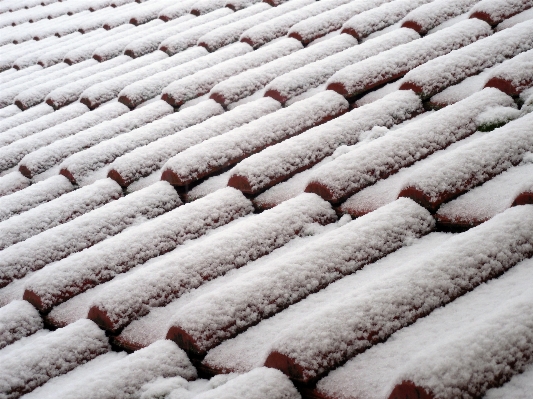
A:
{"x":277,"y":199}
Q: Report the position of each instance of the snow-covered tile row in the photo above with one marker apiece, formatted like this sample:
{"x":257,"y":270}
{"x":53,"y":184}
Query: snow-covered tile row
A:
{"x":231,"y":32}
{"x":222,"y":151}
{"x":320,"y":25}
{"x":465,"y":325}
{"x":468,"y":166}
{"x":366,"y":316}
{"x":11,"y":154}
{"x":363,"y":166}
{"x":85,"y":231}
{"x":439,"y":73}
{"x":192,"y":265}
{"x":487,"y":200}
{"x":118,"y":254}
{"x":176,"y":10}
{"x":147,"y":88}
{"x":148,"y":158}
{"x":14,"y":5}
{"x":513,"y":76}
{"x":38,"y":125}
{"x":247,"y":83}
{"x":18,"y":320}
{"x":518,"y":387}
{"x":58,"y":211}
{"x":365,"y":23}
{"x":512,"y":21}
{"x":302,"y":79}
{"x":200,"y":83}
{"x":12,"y":182}
{"x":495,"y":11}
{"x":259,"y":294}
{"x":283,"y":160}
{"x":394,"y":63}
{"x":27,"y":116}
{"x":429,"y":16}
{"x":46,"y":157}
{"x":33,"y":196}
{"x":29,"y":366}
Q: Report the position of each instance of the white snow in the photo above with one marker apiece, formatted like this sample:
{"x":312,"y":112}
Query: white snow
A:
{"x":46,"y":157}
{"x":516,"y":73}
{"x":25,"y":117}
{"x":85,"y":231}
{"x":439,"y":73}
{"x":102,"y":262}
{"x":394,"y":63}
{"x":33,"y":196}
{"x":229,"y":148}
{"x":49,"y":356}
{"x":316,"y":73}
{"x":363,"y":166}
{"x":495,"y":11}
{"x":233,"y":247}
{"x":519,"y":387}
{"x":281,"y":161}
{"x":246,"y":83}
{"x":512,"y":21}
{"x":146,"y":159}
{"x":17,"y":320}
{"x":12,"y":182}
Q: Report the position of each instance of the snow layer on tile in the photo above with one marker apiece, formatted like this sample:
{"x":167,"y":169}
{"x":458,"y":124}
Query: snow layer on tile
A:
{"x":109,"y":89}
{"x":230,"y":33}
{"x":246,"y":83}
{"x":14,"y":5}
{"x":149,"y":11}
{"x":70,"y":92}
{"x":205,"y":6}
{"x":470,"y":165}
{"x":513,"y":76}
{"x":176,"y":10}
{"x":118,"y":254}
{"x":386,"y":190}
{"x":372,"y":375}
{"x":280,"y":26}
{"x":86,"y":230}
{"x":262,"y":293}
{"x":209,"y":186}
{"x":124,"y":377}
{"x":519,"y":387}
{"x":58,"y":211}
{"x":200,"y":83}
{"x":33,"y":196}
{"x":250,"y":349}
{"x":461,"y":90}
{"x":11,"y":154}
{"x":378,"y":93}
{"x":510,"y":22}
{"x":155,"y":325}
{"x":373,"y":20}
{"x":145,"y":89}
{"x":396,"y":62}
{"x":229,"y":148}
{"x":330,"y":20}
{"x":34,"y":94}
{"x":147,"y":159}
{"x":366,"y":316}
{"x":493,"y":197}
{"x":25,"y":117}
{"x":439,"y":73}
{"x":149,"y":43}
{"x":85,"y":52}
{"x":242,"y":242}
{"x":314,"y":74}
{"x":12,"y":182}
{"x":17,"y":320}
{"x":52,"y":355}
{"x":495,"y":11}
{"x":46,"y":157}
{"x":383,"y":157}
{"x":8,"y":111}
{"x":283,"y":160}
{"x":44,"y":122}
{"x":82,"y":163}
{"x":429,"y":16}
{"x":57,"y":385}
{"x":11,"y":89}
{"x":116,"y":47}
{"x":224,"y":16}
{"x":256,"y":384}
{"x":31,"y":46}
